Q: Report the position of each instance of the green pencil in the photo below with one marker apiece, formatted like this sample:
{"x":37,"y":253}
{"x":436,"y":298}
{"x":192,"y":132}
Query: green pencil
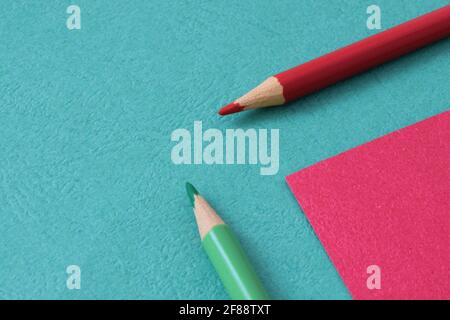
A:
{"x":225,"y":252}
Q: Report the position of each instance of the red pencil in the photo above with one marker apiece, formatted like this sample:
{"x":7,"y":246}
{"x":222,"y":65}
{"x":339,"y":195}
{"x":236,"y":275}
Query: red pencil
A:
{"x":345,"y":62}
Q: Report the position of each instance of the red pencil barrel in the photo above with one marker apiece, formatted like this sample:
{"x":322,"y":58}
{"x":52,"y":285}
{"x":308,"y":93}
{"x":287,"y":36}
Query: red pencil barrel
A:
{"x":365,"y":54}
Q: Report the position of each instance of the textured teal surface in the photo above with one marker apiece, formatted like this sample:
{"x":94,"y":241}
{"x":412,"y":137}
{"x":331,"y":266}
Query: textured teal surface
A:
{"x":86,"y":176}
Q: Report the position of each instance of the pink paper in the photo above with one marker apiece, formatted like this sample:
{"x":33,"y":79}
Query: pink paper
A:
{"x":386,"y":203}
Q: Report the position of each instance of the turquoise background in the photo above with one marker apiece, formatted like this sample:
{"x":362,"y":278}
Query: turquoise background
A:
{"x":86,"y":116}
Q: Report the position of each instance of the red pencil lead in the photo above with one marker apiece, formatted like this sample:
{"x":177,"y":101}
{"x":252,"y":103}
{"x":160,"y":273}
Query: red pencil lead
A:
{"x":233,"y":107}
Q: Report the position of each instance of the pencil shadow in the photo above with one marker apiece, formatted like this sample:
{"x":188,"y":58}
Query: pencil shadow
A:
{"x":360,"y":82}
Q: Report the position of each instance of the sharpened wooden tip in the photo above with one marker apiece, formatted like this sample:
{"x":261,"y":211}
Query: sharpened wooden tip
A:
{"x":233,"y":107}
{"x":268,"y":93}
{"x":205,"y":215}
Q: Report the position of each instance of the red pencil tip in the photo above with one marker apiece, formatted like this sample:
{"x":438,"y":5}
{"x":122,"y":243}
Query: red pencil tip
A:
{"x":233,"y":107}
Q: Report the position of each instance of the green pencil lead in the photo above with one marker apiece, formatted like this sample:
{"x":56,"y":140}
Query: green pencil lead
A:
{"x":191,"y":191}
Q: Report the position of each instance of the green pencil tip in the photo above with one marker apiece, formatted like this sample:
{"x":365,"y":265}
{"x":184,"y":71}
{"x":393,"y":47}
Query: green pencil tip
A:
{"x":191,"y":191}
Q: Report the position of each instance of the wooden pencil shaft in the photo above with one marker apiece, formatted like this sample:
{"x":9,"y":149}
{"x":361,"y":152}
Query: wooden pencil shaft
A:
{"x":365,"y":54}
{"x":346,"y":62}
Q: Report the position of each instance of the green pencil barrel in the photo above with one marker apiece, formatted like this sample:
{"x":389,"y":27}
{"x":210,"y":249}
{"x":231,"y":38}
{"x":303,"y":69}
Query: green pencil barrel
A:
{"x":232,"y":265}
